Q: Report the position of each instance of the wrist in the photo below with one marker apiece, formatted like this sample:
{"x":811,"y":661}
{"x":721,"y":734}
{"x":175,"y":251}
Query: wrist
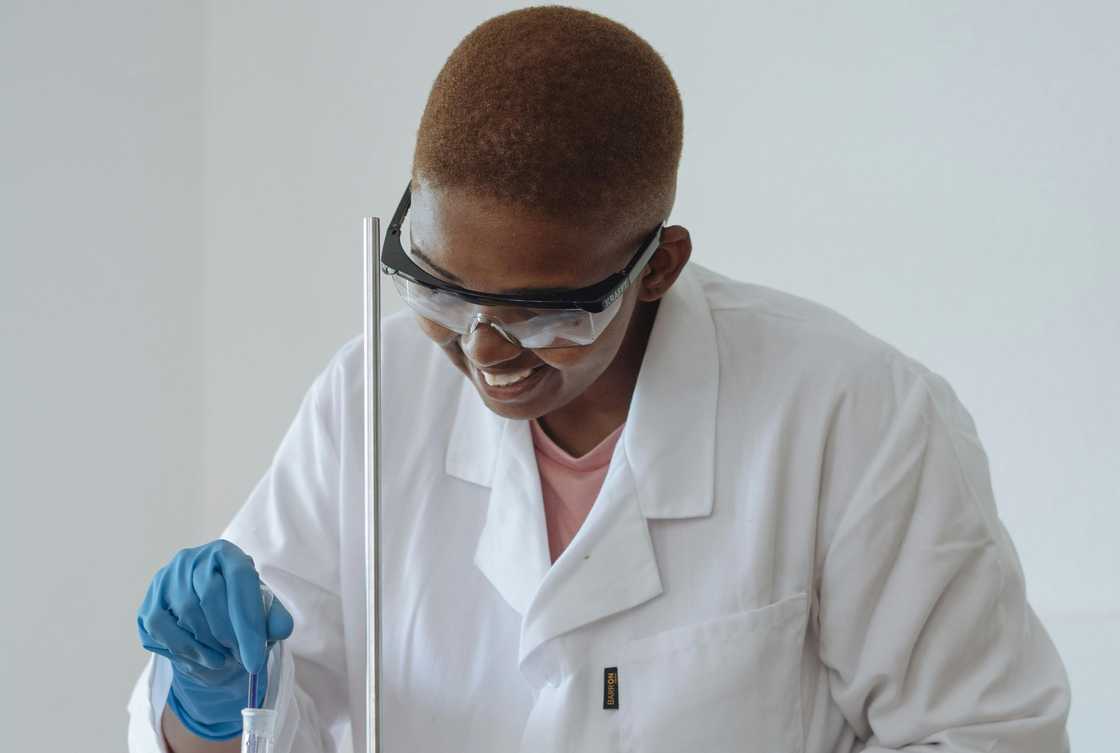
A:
{"x":217,"y":727}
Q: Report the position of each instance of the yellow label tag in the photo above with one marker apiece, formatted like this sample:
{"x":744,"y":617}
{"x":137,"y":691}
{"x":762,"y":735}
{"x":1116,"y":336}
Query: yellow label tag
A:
{"x":610,"y":688}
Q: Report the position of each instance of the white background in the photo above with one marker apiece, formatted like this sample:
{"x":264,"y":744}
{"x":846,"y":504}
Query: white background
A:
{"x":182,"y":187}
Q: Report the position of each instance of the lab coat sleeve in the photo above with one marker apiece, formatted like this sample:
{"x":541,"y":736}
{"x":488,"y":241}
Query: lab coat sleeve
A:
{"x":145,"y":707}
{"x":289,"y":527}
{"x":922,"y":613}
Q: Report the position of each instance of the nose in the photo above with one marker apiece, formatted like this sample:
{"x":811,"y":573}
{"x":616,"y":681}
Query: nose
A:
{"x":485,"y":345}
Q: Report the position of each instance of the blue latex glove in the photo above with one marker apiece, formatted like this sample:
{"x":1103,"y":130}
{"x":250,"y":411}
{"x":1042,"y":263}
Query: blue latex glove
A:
{"x":203,"y":611}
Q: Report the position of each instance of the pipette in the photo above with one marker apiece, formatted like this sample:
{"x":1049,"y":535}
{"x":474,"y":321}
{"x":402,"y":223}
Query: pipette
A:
{"x":258,"y":726}
{"x":266,"y":601}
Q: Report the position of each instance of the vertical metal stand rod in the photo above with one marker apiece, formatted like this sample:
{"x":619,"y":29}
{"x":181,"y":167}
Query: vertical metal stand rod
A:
{"x":371,"y":300}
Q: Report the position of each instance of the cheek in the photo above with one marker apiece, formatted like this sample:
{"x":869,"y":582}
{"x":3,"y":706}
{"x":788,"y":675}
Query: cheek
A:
{"x":441,"y":335}
{"x":569,"y":359}
{"x":446,"y":340}
{"x":595,"y":357}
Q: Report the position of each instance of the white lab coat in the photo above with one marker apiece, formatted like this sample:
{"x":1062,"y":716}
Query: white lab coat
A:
{"x":795,"y":549}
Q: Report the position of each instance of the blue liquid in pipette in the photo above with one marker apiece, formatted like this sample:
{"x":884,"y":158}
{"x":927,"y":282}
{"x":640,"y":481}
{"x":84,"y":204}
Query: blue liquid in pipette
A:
{"x":266,"y":602}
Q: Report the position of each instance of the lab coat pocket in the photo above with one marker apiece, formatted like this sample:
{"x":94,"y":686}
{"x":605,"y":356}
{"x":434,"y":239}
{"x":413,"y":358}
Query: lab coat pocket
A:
{"x":726,"y":685}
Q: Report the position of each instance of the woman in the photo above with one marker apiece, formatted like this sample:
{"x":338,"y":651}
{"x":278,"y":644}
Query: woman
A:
{"x":631,"y":506}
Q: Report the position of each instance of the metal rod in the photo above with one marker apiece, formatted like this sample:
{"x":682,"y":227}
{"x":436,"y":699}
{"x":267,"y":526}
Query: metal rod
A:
{"x":371,"y":304}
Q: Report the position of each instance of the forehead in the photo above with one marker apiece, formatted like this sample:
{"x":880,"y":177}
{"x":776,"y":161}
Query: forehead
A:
{"x":493,"y":246}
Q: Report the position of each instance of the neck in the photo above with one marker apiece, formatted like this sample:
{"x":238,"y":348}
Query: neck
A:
{"x":579,"y":426}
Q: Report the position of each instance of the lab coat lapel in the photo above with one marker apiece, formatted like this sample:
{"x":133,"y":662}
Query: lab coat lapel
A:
{"x":490,"y":450}
{"x":607,"y":568}
{"x":670,"y":438}
{"x":663,"y":467}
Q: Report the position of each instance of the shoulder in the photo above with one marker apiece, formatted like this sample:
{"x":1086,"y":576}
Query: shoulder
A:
{"x":413,"y":371}
{"x":872,"y":417}
{"x":401,"y":339}
{"x":402,"y":342}
{"x":781,"y":322}
{"x":800,"y":361}
{"x":773,"y":334}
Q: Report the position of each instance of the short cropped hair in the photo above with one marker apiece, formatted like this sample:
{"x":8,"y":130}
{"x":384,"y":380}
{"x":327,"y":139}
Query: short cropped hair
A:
{"x":558,"y":110}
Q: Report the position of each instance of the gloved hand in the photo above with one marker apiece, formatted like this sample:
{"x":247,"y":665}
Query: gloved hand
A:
{"x":204,"y":612}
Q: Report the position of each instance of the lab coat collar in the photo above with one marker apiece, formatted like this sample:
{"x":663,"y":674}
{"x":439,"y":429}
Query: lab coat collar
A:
{"x":670,"y":434}
{"x":669,"y":439}
{"x":662,"y":467}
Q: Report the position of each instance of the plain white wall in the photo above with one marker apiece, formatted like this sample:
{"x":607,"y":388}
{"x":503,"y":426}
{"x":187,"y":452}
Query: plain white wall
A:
{"x":100,"y":350}
{"x":938,"y":172}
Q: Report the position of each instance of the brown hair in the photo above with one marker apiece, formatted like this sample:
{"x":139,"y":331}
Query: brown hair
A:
{"x":557,"y":110}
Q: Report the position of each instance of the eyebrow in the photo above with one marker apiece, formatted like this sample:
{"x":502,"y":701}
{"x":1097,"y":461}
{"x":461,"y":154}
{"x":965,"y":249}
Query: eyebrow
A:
{"x":427,"y":260}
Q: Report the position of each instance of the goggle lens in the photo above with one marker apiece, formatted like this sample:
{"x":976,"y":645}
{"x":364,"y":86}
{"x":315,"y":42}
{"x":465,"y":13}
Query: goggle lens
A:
{"x":532,"y":328}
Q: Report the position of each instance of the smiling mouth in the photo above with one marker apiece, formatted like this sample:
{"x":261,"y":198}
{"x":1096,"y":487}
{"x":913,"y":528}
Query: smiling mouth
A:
{"x":505,"y":379}
{"x":509,"y":385}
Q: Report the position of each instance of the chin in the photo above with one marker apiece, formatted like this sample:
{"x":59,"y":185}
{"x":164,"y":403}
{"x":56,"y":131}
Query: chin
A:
{"x":514,"y":411}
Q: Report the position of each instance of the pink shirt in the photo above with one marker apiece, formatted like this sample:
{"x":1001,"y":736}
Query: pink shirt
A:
{"x":569,"y":485}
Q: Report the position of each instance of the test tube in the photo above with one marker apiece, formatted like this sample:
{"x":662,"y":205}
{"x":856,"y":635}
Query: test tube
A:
{"x":258,"y":730}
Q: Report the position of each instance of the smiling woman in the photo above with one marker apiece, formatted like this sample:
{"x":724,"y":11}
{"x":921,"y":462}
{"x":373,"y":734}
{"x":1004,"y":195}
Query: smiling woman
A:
{"x":650,"y":509}
{"x":532,"y":310}
{"x":575,"y":333}
{"x":546,"y":160}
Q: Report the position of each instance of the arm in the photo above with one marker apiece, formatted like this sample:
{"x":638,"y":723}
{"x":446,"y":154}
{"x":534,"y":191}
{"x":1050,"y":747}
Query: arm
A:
{"x":289,"y":527}
{"x":181,"y":740}
{"x":923,"y":619}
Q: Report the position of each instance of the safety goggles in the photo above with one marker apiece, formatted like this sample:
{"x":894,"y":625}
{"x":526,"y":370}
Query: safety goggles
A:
{"x":544,"y":318}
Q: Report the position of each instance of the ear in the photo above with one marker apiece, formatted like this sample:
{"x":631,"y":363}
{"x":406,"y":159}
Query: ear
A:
{"x":666,"y":264}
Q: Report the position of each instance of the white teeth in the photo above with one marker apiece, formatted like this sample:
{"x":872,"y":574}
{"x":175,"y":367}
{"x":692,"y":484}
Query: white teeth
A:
{"x":501,"y":380}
